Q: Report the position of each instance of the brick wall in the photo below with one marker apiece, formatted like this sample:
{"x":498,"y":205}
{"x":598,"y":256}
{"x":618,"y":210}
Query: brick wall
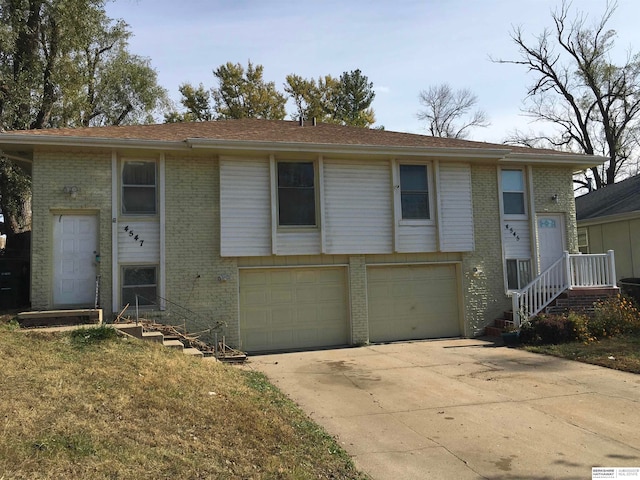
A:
{"x":484,"y":290}
{"x":197,"y":277}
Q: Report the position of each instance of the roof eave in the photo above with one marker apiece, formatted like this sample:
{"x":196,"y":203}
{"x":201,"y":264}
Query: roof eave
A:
{"x":616,"y":217}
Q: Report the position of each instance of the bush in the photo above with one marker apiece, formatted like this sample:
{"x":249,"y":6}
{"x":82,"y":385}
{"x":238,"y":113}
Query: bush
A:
{"x":91,"y":336}
{"x":554,"y":329}
{"x":614,"y":316}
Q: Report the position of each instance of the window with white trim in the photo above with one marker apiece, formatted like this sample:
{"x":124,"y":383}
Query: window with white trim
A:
{"x":414,"y":192}
{"x":583,"y":240}
{"x":141,"y":282}
{"x":139,"y":188}
{"x":518,"y":273}
{"x":296,"y":194}
{"x":512,"y":186}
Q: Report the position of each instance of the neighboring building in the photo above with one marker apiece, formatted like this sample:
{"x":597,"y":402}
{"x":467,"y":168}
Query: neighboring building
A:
{"x":609,"y":219}
{"x":294,"y":236}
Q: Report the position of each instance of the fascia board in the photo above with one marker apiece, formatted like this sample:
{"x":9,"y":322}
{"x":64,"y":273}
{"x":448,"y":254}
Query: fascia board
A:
{"x":577,"y":161}
{"x":88,"y":142}
{"x":333,"y":149}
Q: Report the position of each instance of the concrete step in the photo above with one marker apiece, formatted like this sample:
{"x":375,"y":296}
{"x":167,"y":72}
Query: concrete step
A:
{"x":130,"y":329}
{"x":193,"y":351}
{"x":173,"y":344}
{"x":153,"y":336}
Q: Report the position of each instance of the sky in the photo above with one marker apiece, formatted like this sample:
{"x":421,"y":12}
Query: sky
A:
{"x":402,"y":46}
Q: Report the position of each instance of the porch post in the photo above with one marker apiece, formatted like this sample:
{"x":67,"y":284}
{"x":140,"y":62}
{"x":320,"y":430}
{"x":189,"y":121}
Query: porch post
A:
{"x":567,"y":270}
{"x":612,"y":268}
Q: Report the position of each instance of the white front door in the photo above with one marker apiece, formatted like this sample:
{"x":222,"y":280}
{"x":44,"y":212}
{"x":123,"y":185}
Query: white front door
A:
{"x":551,"y":242}
{"x":75,"y":244}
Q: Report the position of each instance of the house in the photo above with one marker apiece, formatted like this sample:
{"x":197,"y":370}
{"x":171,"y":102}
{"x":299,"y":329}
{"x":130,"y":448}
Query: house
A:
{"x":609,"y":219}
{"x":293,"y":235}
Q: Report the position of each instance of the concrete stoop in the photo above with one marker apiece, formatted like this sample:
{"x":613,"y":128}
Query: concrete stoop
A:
{"x":60,"y":318}
{"x":137,"y":331}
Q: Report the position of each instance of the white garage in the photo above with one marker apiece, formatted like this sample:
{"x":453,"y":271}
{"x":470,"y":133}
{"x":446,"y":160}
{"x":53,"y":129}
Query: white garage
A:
{"x":411,"y":302}
{"x":293,"y":308}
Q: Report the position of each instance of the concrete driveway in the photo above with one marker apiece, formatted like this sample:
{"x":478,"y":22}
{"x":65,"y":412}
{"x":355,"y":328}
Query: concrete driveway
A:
{"x":464,"y":409}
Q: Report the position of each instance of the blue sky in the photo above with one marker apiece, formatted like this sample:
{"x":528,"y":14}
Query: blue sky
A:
{"x":403,"y":47}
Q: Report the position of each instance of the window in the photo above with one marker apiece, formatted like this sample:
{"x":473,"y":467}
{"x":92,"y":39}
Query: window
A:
{"x":513,"y":192}
{"x":414,"y":192}
{"x":140,"y":281}
{"x":583,"y":240}
{"x":139,"y":188}
{"x":296,"y":194}
{"x":518,"y":273}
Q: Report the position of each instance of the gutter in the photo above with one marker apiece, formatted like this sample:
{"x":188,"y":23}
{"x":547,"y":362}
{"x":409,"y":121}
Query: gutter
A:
{"x":616,"y":217}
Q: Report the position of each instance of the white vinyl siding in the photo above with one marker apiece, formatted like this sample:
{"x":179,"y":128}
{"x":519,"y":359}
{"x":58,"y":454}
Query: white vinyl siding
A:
{"x":516,"y":239}
{"x":294,"y":242}
{"x":455,"y":208}
{"x":358,"y":207}
{"x":245,"y":207}
{"x":416,"y":239}
{"x":138,"y":242}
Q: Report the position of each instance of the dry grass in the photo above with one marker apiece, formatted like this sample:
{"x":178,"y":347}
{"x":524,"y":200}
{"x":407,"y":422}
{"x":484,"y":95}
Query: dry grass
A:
{"x":620,"y":353}
{"x":92,"y":406}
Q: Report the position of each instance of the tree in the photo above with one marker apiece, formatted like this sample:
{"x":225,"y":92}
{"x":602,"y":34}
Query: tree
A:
{"x":64,"y":63}
{"x":591,"y":103}
{"x":448,"y":113}
{"x":244,"y":94}
{"x":197,"y":101}
{"x":345,"y":101}
{"x":312,"y":99}
{"x":353,"y":100}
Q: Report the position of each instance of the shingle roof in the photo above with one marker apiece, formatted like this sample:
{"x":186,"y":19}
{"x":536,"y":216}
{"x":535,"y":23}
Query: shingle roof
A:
{"x":256,"y":130}
{"x":621,"y":197}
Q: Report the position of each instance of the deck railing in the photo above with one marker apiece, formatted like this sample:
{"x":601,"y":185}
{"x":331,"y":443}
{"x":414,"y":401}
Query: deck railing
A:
{"x":570,"y":271}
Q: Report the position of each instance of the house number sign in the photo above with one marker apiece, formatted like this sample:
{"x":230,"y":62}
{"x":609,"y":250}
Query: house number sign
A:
{"x":133,"y":235}
{"x":512,"y":232}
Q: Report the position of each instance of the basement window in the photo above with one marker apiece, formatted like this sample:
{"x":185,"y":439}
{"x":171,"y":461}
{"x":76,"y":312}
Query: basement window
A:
{"x":518,"y":273}
{"x":140,"y":281}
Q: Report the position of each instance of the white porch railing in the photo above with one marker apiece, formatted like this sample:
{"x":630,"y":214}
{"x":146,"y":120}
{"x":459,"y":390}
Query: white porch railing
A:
{"x":570,"y":271}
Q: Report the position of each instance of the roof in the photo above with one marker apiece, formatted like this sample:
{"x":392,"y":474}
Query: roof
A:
{"x":621,"y":197}
{"x":262,"y":132}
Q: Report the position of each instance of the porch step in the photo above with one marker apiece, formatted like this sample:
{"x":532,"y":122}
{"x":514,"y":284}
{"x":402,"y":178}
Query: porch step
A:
{"x":60,"y":318}
{"x":500,"y":325}
{"x":169,"y":341}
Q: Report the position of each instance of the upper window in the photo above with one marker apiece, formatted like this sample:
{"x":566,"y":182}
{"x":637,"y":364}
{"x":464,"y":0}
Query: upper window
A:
{"x":414,"y":192}
{"x":139,"y":188}
{"x":513,"y":192}
{"x":296,"y":194}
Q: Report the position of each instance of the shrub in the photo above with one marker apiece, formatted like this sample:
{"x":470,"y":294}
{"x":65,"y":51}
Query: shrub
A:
{"x":614,"y":316}
{"x":553,"y":329}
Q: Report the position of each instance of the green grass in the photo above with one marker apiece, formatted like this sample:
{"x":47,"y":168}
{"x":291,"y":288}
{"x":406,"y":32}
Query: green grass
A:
{"x":620,"y":353}
{"x":93,"y":405}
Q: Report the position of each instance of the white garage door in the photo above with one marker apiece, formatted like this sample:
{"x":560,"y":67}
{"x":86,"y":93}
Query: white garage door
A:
{"x":412,"y":302}
{"x":292,"y":308}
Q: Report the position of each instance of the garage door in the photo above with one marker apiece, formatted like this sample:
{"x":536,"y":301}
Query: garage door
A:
{"x":293,"y":308}
{"x":412,"y":302}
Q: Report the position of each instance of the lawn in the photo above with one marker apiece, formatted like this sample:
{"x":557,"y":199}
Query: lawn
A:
{"x":96,"y":405}
{"x":620,"y":353}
